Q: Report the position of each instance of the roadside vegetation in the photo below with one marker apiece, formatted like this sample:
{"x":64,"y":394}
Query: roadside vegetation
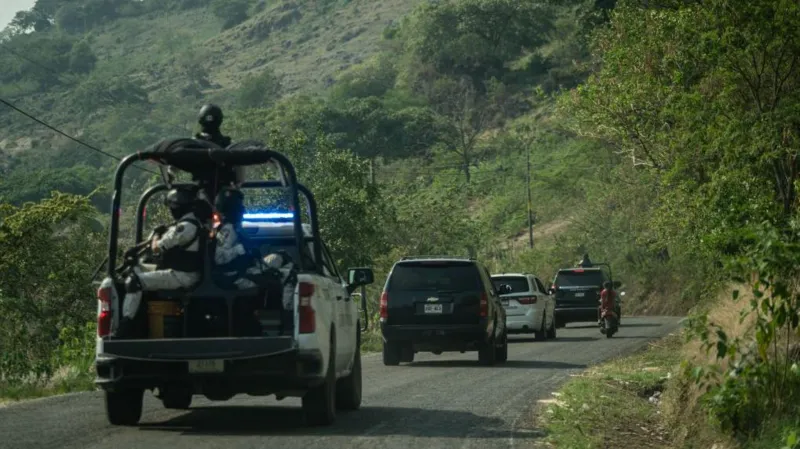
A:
{"x":662,"y":136}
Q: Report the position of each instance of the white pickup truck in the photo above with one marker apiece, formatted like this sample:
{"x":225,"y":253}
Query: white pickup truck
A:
{"x":318,"y":358}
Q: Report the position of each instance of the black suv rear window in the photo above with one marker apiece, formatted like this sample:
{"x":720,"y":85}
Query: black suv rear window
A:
{"x":517,"y":283}
{"x":579,"y":278}
{"x":440,"y":276}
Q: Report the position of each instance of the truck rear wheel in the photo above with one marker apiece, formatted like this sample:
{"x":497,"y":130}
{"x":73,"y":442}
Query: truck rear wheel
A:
{"x":319,"y":403}
{"x":124,"y":407}
{"x":487,"y":353}
{"x":178,"y":398}
{"x":348,"y":389}
{"x":502,"y":351}
{"x":541,"y":334}
{"x":551,"y":331}
{"x":392,"y":353}
{"x":407,"y":353}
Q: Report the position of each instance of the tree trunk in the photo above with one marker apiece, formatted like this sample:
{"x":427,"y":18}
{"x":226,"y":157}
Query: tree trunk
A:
{"x":466,"y":167}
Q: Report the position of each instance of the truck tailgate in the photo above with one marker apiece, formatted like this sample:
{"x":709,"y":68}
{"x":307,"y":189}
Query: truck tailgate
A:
{"x":230,"y":348}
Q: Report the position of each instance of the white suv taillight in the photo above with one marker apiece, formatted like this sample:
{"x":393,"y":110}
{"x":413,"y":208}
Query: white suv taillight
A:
{"x":527,"y":300}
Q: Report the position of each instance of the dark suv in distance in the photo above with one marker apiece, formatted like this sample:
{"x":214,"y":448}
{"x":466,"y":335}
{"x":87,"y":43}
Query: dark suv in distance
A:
{"x":577,"y":294}
{"x":441,"y":304}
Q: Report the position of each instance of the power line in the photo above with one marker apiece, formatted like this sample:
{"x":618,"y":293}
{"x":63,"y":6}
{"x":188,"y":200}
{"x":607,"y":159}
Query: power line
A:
{"x":74,"y":139}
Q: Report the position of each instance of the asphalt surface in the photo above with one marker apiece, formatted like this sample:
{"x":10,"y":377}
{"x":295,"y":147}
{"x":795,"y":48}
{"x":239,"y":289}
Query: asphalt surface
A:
{"x":438,"y":402}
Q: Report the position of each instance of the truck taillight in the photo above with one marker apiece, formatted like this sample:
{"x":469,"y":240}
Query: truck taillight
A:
{"x":104,"y":311}
{"x":484,"y":304}
{"x":308,"y":319}
{"x":527,"y":300}
{"x":384,"y":306}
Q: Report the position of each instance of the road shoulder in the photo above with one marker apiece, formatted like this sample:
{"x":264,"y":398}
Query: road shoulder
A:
{"x":614,"y":404}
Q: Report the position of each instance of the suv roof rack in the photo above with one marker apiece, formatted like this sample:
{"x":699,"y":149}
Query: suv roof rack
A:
{"x":437,"y":257}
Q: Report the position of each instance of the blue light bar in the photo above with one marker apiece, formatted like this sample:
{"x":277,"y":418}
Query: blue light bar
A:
{"x":268,"y":216}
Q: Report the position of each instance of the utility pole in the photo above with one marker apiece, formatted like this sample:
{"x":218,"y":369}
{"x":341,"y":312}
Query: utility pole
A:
{"x":530,"y":212}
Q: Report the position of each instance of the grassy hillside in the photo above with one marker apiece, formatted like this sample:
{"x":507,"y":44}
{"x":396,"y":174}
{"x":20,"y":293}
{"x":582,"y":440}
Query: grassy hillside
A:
{"x":181,"y":58}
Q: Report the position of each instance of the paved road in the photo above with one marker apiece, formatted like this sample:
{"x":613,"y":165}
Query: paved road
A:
{"x":438,"y":402}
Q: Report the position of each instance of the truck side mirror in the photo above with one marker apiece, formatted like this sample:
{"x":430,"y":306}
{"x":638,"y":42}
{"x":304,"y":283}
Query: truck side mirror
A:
{"x":617,"y":284}
{"x":359,"y":277}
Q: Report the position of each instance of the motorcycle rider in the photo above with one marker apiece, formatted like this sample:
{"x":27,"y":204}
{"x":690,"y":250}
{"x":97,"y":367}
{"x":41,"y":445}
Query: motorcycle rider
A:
{"x":177,"y":250}
{"x":608,"y":299}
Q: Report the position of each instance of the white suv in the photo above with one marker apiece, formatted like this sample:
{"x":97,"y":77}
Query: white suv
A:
{"x":529,"y":307}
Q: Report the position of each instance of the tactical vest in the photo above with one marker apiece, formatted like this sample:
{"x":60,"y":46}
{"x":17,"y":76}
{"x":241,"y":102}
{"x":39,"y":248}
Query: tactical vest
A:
{"x":240,"y":263}
{"x":226,"y":274}
{"x":179,"y":258}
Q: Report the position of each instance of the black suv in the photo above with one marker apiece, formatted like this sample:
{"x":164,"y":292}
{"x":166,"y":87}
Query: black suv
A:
{"x":441,"y":304}
{"x":577,"y":292}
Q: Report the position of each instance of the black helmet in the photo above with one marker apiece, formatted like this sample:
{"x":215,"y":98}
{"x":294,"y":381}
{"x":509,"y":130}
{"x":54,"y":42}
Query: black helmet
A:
{"x":607,"y":285}
{"x":180,"y":201}
{"x":230,"y":204}
{"x":210,"y":116}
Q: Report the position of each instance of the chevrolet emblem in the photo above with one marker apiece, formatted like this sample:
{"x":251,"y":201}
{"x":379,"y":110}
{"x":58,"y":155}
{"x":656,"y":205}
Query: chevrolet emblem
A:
{"x":433,"y":299}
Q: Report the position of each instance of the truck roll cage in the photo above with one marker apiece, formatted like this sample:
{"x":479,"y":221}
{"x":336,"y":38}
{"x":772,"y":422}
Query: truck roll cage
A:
{"x":206,"y":161}
{"x":311,"y":207}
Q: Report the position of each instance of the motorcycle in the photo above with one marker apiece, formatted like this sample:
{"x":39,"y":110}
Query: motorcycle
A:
{"x":609,"y":321}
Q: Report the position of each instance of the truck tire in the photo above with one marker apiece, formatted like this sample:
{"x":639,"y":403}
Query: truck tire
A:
{"x":502,"y":351}
{"x":124,"y":407}
{"x":487,"y":353}
{"x":348,"y":389}
{"x":407,"y":354}
{"x":541,"y":334}
{"x":392,"y":353}
{"x":551,"y":331}
{"x":177,"y":398}
{"x":319,"y":403}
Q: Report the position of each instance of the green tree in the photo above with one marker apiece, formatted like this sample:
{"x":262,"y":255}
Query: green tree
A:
{"x":81,"y":58}
{"x":679,"y":96}
{"x":71,"y":18}
{"x":465,"y":113}
{"x":351,"y":210}
{"x":46,"y":248}
{"x":476,"y":38}
{"x":373,"y":78}
{"x":259,"y":91}
{"x":24,"y":21}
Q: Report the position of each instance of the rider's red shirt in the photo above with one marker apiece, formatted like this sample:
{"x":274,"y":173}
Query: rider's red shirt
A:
{"x":607,"y":298}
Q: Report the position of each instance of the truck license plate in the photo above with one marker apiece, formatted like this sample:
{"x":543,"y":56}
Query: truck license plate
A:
{"x":206,"y":366}
{"x":579,"y":295}
{"x":433,"y":308}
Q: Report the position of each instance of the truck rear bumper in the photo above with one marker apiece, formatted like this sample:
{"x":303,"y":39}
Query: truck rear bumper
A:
{"x":243,"y":365}
{"x":169,"y":349}
{"x":575,"y":314}
{"x":431,"y":338}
